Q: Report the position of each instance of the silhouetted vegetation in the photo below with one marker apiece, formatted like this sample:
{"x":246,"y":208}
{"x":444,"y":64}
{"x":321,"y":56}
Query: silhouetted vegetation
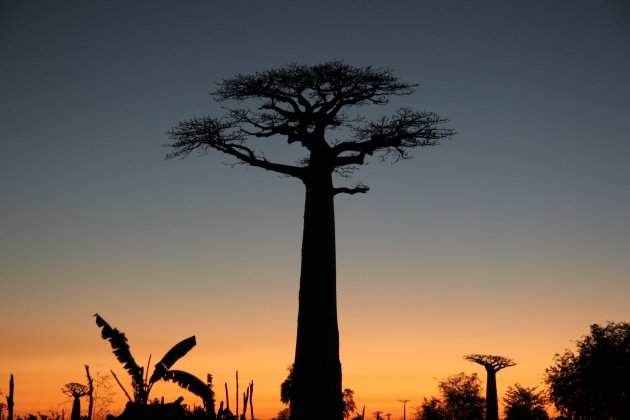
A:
{"x":349,"y":406}
{"x":90,"y":392}
{"x":305,"y":105}
{"x":589,"y":384}
{"x":593,"y":383}
{"x":460,"y":398}
{"x":103,"y":395}
{"x":10,"y":400}
{"x":75,"y":391}
{"x":523,"y":403}
{"x":142,"y":383}
{"x":492,"y":364}
{"x":404,"y":403}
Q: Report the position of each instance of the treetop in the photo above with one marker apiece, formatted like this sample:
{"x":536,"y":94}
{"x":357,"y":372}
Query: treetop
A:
{"x":302,"y":104}
{"x":490,"y":361}
{"x":321,"y":85}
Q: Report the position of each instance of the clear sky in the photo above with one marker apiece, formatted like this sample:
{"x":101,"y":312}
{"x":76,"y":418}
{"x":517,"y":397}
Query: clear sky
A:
{"x":511,"y":238}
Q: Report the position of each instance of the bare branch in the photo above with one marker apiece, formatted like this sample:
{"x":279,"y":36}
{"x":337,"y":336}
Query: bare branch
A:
{"x":354,"y":159}
{"x":395,"y":136}
{"x":211,"y":133}
{"x":302,"y":103}
{"x":358,"y":189}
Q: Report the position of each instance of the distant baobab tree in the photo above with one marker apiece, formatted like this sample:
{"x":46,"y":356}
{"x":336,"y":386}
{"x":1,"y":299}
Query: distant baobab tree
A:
{"x":75,"y":391}
{"x":307,"y":106}
{"x":492,"y":364}
{"x":404,"y":403}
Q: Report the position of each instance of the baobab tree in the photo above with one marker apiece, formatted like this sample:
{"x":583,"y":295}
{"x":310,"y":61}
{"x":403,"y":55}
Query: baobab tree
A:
{"x":492,"y":364}
{"x":404,"y":403}
{"x":309,"y":106}
{"x":76,"y":391}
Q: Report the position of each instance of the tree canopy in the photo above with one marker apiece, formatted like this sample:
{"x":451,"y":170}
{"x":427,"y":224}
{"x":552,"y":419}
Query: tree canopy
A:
{"x":523,"y":403}
{"x":460,"y":398}
{"x":490,"y":362}
{"x":593,"y":383}
{"x":302,"y":103}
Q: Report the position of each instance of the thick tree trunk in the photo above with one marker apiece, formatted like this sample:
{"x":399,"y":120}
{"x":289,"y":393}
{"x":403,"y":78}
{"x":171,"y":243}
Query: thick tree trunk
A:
{"x":316,"y":386}
{"x":492,"y":406}
{"x":76,"y":409}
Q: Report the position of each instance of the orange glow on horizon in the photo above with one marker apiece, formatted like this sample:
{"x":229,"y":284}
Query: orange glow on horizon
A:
{"x":380,"y":372}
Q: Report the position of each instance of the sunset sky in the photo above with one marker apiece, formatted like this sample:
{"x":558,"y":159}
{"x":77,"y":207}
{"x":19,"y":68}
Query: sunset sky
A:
{"x":511,"y":238}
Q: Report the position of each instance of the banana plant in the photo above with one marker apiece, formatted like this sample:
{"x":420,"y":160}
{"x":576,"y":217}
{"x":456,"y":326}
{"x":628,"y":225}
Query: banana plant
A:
{"x":141,"y":382}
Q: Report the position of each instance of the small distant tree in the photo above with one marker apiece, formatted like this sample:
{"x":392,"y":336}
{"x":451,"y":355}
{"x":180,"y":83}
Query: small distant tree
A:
{"x":593,"y":383}
{"x":459,"y":398}
{"x":492,"y":364}
{"x":75,"y":391}
{"x":404,"y":403}
{"x":285,"y":387}
{"x":349,"y":405}
{"x":431,"y":409}
{"x":104,"y":393}
{"x":462,"y":398}
{"x":523,"y":403}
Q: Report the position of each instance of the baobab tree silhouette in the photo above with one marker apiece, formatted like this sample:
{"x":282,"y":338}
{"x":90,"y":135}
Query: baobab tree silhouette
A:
{"x":492,"y":364}
{"x":304,"y":104}
{"x":404,"y":403}
{"x":75,"y":391}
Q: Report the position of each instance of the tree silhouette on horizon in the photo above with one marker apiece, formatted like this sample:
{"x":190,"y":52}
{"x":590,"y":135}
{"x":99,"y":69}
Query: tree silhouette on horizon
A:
{"x":304,"y":104}
{"x":75,"y":391}
{"x":592,"y":382}
{"x":492,"y":364}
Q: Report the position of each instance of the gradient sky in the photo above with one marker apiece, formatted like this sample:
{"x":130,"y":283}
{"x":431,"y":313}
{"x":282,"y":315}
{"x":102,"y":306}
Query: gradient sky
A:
{"x":511,"y":238}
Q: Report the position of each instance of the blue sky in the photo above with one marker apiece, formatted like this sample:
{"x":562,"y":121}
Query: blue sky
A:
{"x":517,"y":224}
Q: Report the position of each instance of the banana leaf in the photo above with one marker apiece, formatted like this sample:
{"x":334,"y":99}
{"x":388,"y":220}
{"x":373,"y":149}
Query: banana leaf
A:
{"x":121,"y":350}
{"x":192,"y":384}
{"x":178,"y":351}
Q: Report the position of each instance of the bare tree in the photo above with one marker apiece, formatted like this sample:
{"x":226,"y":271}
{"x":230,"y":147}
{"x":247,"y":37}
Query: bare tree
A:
{"x":75,"y":391}
{"x":103,"y":395}
{"x":306,"y":105}
{"x":492,"y":364}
